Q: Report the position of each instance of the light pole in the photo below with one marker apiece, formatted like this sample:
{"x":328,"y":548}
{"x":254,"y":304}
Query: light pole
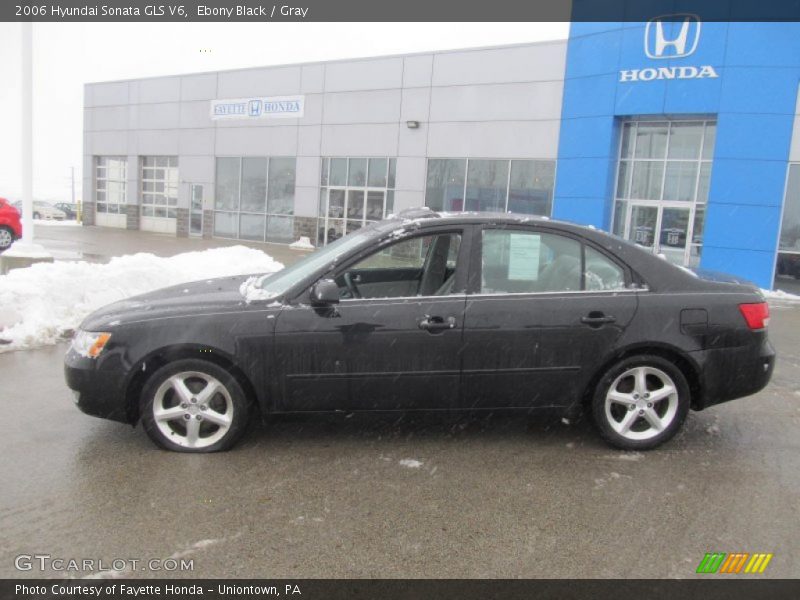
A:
{"x":27,"y":132}
{"x":24,"y":252}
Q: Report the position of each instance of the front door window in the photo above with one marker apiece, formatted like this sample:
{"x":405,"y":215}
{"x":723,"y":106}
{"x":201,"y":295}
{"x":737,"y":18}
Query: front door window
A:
{"x":418,"y":266}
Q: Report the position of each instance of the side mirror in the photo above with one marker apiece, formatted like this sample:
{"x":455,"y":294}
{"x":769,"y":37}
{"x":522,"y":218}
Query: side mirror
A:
{"x":325,"y":292}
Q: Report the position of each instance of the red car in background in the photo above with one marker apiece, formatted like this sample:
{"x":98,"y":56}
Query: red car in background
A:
{"x":10,"y":226}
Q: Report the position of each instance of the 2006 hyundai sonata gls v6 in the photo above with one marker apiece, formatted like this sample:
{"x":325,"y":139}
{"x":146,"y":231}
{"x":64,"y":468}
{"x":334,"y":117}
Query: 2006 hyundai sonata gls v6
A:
{"x":430,"y":311}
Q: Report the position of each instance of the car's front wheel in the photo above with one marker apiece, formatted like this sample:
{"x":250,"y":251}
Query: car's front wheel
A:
{"x":641,"y":402}
{"x":194,"y":405}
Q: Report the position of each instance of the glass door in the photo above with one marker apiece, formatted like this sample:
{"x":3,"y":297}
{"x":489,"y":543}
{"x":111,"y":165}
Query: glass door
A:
{"x":643,"y":223}
{"x":196,"y":211}
{"x":662,"y":187}
{"x":349,"y":210}
{"x":663,"y":228}
{"x":673,"y":234}
{"x":355,"y":210}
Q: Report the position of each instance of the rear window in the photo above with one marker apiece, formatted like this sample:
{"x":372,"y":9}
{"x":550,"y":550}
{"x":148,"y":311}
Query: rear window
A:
{"x":515,"y":261}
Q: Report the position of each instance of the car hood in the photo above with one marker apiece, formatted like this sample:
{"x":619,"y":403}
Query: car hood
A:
{"x":184,"y":300}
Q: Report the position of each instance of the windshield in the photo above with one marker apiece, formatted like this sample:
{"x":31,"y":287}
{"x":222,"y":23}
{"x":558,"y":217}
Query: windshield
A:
{"x":282,"y":281}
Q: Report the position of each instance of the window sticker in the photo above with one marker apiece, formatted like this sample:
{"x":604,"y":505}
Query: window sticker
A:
{"x":523,"y":256}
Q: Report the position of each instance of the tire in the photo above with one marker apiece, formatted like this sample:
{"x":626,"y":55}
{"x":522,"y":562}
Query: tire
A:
{"x":178,"y":414}
{"x":6,"y":237}
{"x":36,"y":215}
{"x":631,"y":419}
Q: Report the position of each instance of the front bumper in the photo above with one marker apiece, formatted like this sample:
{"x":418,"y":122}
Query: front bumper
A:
{"x":731,"y":373}
{"x":98,"y":386}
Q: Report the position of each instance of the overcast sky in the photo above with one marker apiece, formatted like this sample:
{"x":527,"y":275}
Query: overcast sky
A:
{"x":67,"y":55}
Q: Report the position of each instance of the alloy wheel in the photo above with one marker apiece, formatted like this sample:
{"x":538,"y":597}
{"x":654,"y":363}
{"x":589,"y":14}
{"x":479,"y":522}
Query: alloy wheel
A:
{"x":641,"y":403}
{"x":193,"y":409}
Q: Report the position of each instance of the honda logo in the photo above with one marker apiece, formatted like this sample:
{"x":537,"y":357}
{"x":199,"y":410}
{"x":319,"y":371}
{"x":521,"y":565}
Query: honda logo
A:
{"x":672,"y":36}
{"x":254,"y":106}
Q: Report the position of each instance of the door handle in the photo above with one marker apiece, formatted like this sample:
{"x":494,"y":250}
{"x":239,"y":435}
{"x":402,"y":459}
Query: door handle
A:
{"x":596,"y":319}
{"x":437,"y":323}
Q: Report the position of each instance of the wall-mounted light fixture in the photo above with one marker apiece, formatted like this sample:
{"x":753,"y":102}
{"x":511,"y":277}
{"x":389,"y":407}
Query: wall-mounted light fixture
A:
{"x":412,"y":124}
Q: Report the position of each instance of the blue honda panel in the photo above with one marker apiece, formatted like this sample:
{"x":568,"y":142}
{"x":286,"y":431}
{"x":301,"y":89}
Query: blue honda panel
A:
{"x":743,"y":74}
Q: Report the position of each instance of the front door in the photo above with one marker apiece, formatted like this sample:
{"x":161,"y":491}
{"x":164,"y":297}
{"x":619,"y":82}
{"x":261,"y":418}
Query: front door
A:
{"x":392,"y":343}
{"x":546,"y":311}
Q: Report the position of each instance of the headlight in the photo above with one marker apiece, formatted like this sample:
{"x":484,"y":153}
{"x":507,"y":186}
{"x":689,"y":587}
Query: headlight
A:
{"x":90,"y":343}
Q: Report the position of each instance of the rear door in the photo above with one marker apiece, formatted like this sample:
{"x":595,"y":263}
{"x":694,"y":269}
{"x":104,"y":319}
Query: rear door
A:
{"x":544,"y":310}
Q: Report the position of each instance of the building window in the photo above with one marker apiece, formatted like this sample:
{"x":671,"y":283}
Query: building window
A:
{"x":159,"y":186}
{"x":520,"y":186}
{"x":254,"y":198}
{"x":662,"y":185}
{"x":353,"y":192}
{"x":110,"y":181}
{"x":788,"y":267}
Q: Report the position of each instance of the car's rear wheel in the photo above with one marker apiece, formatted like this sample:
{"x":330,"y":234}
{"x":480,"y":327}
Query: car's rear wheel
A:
{"x":641,"y":402}
{"x":6,"y":237}
{"x":193,"y":405}
{"x":36,"y":215}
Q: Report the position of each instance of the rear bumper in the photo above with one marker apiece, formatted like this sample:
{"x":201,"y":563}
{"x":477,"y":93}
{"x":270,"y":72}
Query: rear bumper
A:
{"x":731,"y":373}
{"x":97,"y":387}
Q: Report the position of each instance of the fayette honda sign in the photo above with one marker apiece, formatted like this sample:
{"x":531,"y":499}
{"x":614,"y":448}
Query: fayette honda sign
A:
{"x":276,"y":107}
{"x":680,"y":42}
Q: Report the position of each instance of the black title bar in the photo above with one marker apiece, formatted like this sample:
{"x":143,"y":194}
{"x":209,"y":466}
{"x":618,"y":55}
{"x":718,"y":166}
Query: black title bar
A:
{"x":712,"y":588}
{"x":397,"y":10}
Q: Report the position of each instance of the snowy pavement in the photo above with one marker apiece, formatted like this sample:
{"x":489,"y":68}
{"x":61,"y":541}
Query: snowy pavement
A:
{"x":411,"y":496}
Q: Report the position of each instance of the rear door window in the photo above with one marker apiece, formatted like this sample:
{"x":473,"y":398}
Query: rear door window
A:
{"x":602,"y":273}
{"x":515,"y":261}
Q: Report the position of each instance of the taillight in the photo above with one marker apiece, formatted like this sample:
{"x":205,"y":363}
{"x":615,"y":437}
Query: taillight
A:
{"x":756,"y":315}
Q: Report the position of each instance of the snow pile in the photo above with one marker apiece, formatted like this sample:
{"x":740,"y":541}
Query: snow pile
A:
{"x":39,"y":303}
{"x":251,"y":289}
{"x":780,"y":295}
{"x":303,"y":243}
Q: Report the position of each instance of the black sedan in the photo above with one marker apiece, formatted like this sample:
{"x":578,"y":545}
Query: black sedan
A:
{"x":427,"y":311}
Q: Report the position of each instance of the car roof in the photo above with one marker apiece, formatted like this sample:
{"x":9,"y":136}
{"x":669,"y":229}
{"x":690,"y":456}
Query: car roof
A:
{"x":427,"y":217}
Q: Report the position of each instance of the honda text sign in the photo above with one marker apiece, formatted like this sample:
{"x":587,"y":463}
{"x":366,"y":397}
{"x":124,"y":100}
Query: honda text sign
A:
{"x":673,"y":37}
{"x":276,"y":107}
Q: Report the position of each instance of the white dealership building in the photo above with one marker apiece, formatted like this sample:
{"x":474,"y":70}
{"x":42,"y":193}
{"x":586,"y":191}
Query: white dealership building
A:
{"x":679,"y":135}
